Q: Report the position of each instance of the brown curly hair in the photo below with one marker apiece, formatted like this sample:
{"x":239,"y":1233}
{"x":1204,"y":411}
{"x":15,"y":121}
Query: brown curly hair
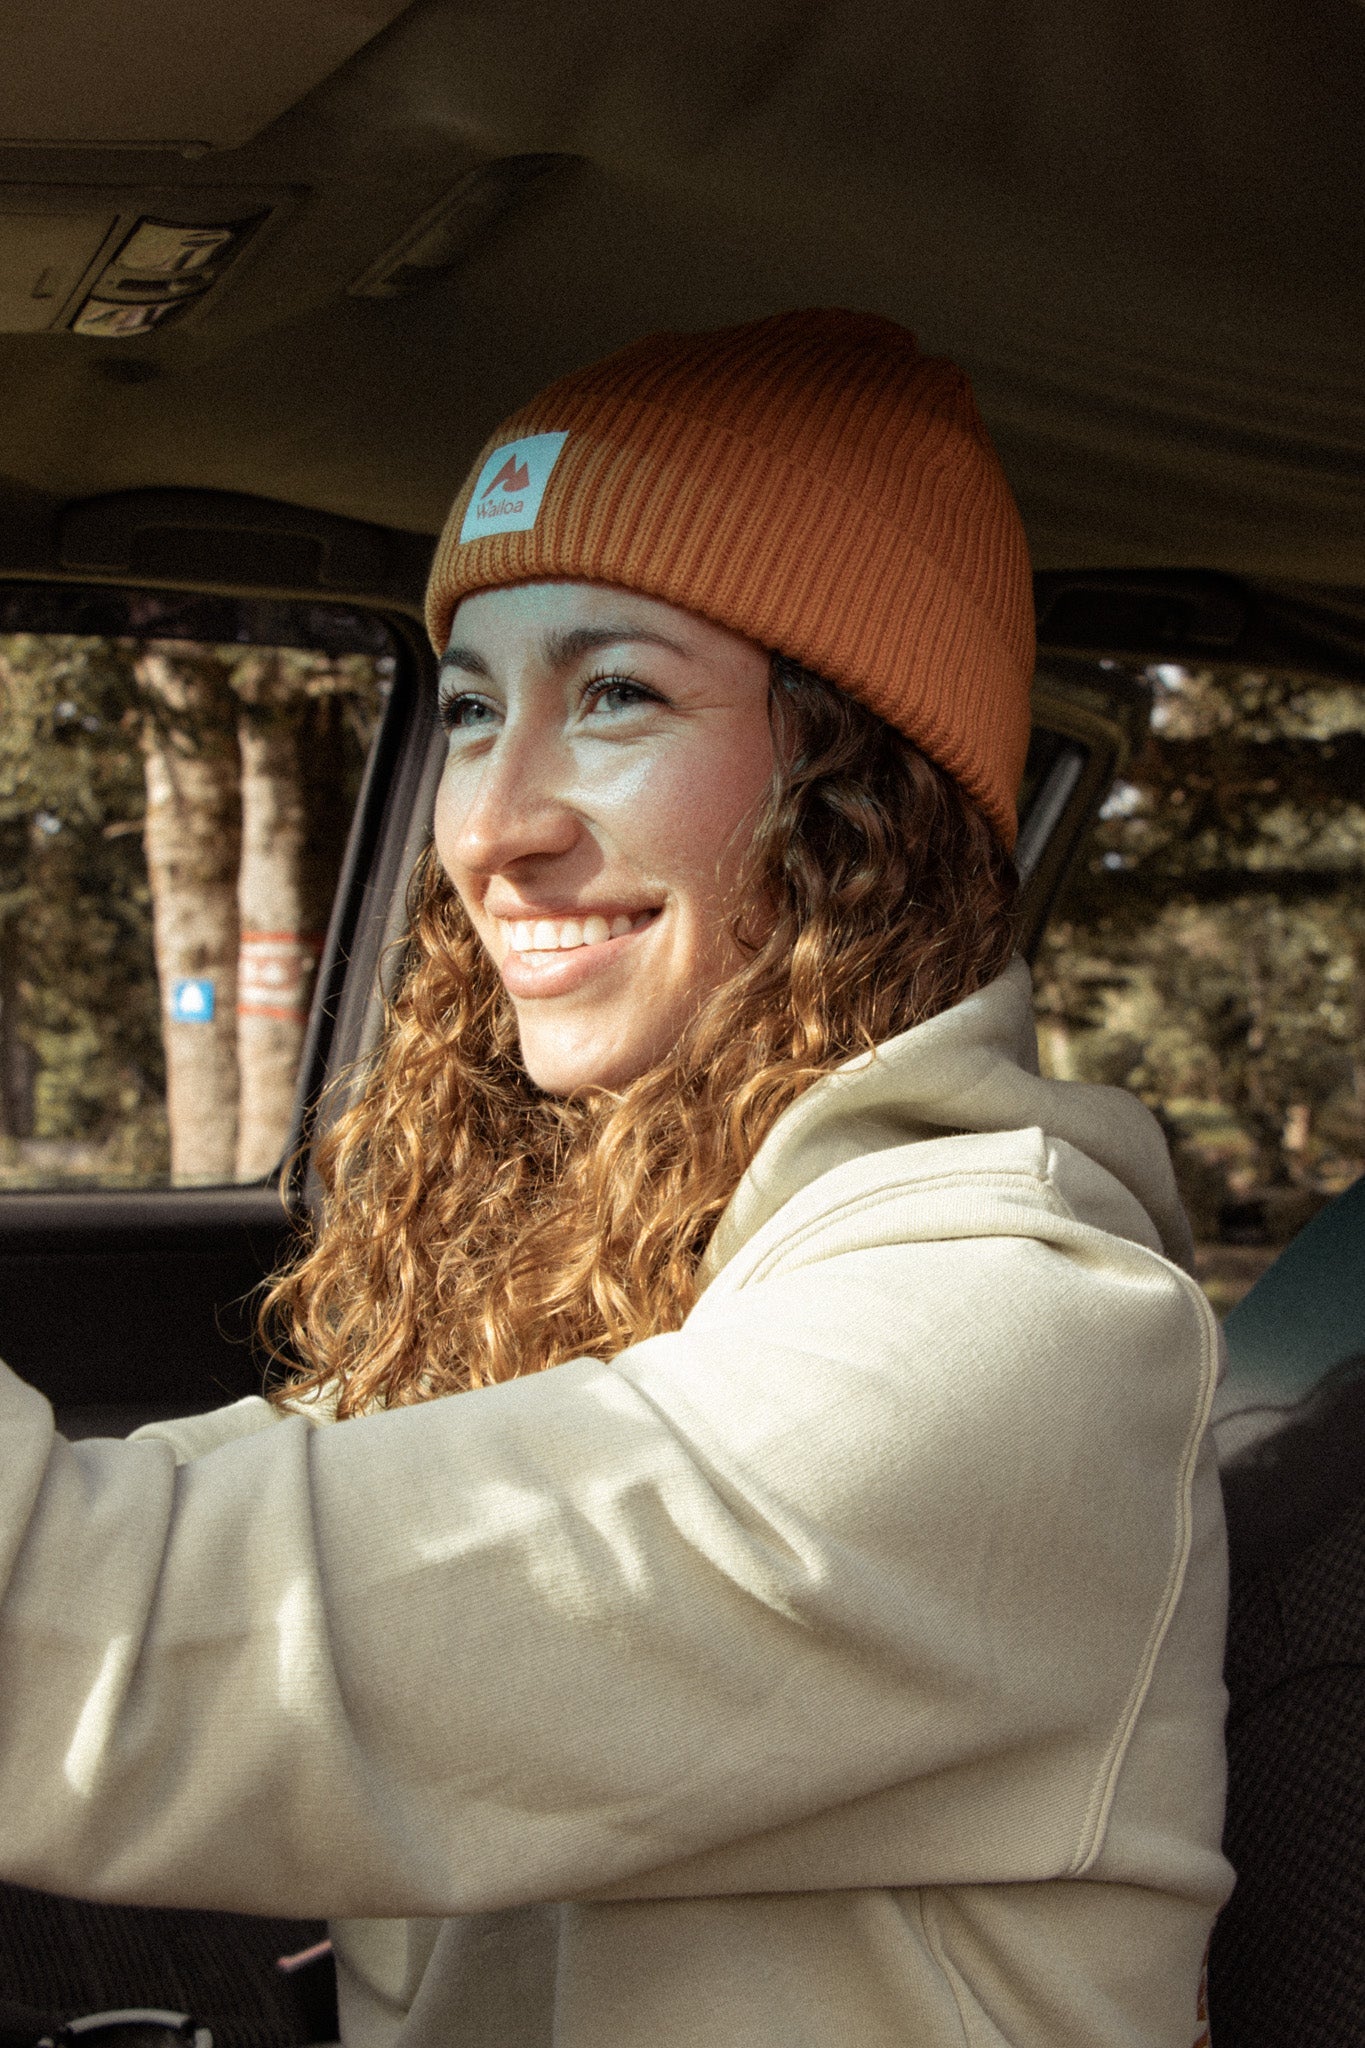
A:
{"x":474,"y":1229}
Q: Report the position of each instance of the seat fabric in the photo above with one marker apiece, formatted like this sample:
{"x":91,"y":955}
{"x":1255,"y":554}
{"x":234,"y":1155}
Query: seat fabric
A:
{"x":1287,"y":1965}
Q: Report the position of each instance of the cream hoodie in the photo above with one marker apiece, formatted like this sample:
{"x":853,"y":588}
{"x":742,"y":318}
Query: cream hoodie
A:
{"x":840,"y":1671}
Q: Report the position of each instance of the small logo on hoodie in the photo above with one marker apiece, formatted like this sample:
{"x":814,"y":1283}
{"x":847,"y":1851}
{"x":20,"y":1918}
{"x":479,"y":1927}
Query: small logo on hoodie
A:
{"x":509,"y":488}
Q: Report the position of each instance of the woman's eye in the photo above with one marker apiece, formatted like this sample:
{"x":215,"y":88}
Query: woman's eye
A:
{"x":617,"y":693}
{"x":461,"y":711}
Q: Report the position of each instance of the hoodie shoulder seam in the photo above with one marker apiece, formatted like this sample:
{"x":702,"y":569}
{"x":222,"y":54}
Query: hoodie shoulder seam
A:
{"x":871,"y":1198}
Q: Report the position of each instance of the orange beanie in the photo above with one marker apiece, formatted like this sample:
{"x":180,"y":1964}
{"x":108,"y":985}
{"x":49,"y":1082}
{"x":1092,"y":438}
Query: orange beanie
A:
{"x":810,"y":481}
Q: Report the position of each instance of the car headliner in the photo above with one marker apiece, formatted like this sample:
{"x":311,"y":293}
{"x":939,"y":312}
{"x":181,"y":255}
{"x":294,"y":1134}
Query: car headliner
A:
{"x":1141,"y":229}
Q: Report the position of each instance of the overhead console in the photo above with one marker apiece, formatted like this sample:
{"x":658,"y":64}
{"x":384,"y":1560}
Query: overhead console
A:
{"x":118,"y":261}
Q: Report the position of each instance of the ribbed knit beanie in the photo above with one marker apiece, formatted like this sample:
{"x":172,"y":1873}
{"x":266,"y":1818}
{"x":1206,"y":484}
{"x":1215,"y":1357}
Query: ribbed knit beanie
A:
{"x":810,"y":481}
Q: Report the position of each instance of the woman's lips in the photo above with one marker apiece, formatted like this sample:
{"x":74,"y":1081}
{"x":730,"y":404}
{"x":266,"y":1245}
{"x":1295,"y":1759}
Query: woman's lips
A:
{"x":562,"y":971}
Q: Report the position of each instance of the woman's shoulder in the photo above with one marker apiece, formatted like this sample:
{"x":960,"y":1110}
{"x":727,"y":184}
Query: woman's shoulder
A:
{"x":951,"y":1128}
{"x":193,"y":1436}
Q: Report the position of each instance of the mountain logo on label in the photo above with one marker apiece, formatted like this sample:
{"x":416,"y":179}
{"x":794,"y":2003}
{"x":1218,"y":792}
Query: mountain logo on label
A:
{"x":513,"y":476}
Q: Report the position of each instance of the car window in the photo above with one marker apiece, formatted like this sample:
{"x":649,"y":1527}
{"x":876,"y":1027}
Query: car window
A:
{"x":1207,"y":951}
{"x":175,"y":796}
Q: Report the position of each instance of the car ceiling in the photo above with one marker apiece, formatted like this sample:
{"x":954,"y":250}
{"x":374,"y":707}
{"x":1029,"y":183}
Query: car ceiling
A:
{"x":1140,"y":228}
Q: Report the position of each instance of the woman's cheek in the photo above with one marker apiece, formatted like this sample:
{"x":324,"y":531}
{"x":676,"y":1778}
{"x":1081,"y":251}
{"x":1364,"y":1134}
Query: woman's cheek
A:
{"x":688,"y":823}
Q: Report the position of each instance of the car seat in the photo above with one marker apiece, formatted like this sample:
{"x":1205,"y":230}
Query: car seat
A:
{"x":1287,"y":1965}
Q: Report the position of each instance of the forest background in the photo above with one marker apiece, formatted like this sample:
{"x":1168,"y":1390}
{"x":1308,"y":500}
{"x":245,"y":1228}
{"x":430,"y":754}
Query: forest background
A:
{"x":173,"y":817}
{"x":173,"y":814}
{"x":1207,"y":952}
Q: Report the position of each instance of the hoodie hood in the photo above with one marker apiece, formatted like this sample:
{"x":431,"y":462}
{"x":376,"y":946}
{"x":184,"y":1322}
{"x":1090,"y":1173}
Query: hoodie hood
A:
{"x":973,"y":1068}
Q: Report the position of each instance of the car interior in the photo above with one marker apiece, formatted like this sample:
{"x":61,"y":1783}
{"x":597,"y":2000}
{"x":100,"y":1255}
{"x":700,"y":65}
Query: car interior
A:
{"x":269,"y":278}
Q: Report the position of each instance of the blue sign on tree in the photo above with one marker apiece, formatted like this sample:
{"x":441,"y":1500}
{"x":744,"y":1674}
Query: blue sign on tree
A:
{"x":191,"y":1002}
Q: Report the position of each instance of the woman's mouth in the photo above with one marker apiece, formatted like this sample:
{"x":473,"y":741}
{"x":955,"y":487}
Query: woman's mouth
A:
{"x":554,"y":956}
{"x":566,"y":935}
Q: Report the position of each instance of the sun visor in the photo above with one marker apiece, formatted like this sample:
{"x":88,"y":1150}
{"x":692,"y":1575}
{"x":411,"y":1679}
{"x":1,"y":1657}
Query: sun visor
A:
{"x":169,"y":74}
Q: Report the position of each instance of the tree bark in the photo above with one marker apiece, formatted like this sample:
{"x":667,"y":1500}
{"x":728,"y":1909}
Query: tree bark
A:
{"x":16,"y":1055}
{"x":17,"y":749}
{"x":287,"y":874}
{"x":193,"y":841}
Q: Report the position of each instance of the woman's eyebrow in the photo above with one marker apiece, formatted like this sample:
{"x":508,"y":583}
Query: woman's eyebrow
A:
{"x":465,"y":660}
{"x":562,"y":649}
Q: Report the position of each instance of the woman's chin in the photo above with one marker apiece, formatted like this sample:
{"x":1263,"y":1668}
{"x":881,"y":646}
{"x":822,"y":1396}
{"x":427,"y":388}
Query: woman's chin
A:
{"x":564,"y":1062}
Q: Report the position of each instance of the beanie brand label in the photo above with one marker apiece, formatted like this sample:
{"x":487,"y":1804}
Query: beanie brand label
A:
{"x":510,"y":486}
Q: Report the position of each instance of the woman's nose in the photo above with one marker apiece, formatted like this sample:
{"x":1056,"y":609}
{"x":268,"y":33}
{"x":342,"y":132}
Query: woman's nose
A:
{"x":511,"y":806}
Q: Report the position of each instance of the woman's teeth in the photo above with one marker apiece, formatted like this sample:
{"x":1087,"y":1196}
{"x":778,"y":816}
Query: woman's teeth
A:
{"x":547,"y":935}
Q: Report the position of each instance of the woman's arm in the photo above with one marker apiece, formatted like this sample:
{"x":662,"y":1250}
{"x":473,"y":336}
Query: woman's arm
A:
{"x":909,"y":1516}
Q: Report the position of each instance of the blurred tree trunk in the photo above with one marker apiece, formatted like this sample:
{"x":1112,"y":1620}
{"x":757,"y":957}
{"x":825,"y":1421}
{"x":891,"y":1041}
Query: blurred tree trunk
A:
{"x":16,"y":1055}
{"x":17,"y":748}
{"x":288,"y":867}
{"x":193,"y":840}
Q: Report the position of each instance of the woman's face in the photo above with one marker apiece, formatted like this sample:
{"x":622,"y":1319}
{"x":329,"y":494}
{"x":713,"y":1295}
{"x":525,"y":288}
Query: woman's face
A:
{"x":608,"y":756}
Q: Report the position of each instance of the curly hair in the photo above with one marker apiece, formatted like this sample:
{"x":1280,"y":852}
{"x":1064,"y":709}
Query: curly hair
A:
{"x":473,"y":1229}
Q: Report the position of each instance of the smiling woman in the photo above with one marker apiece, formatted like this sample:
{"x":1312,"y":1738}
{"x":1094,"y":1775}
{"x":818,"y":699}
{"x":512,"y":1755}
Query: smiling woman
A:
{"x":598,"y":803}
{"x":805,"y":1624}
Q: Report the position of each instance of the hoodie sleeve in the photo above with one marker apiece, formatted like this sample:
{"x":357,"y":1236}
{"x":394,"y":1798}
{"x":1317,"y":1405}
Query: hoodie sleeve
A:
{"x":897,"y":1519}
{"x":193,"y":1436}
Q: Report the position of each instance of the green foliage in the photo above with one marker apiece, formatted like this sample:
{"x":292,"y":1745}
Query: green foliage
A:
{"x":1209,"y":953}
{"x":80,"y":1037}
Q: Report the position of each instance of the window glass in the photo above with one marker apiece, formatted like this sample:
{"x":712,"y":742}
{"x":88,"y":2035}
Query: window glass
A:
{"x":175,"y":796}
{"x":1208,"y":952}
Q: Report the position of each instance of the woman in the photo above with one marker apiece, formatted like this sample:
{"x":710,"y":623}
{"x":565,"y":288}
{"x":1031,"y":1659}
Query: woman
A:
{"x":827,"y":1649}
